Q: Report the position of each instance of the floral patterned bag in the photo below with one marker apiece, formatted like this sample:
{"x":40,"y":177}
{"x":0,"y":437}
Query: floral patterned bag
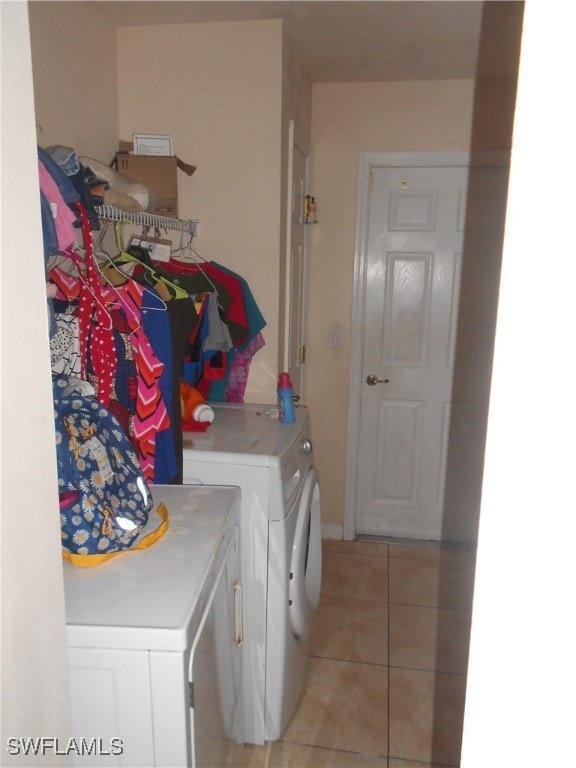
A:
{"x":104,"y":499}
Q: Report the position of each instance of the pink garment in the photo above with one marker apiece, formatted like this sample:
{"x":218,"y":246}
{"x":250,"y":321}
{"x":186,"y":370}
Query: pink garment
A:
{"x":67,"y":286}
{"x":63,"y":217}
{"x":240,"y":368}
{"x":151,"y":414}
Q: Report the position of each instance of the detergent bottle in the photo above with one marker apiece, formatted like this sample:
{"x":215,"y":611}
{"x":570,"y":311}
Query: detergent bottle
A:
{"x":286,"y":412}
{"x":196,"y":413}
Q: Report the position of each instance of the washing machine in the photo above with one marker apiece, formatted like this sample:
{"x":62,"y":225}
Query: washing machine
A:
{"x":280,"y":548}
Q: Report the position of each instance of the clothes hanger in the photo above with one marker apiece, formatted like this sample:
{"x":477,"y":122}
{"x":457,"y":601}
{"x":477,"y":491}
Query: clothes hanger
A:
{"x":189,"y":255}
{"x":76,"y":256}
{"x":174,"y":291}
{"x":185,"y":252}
{"x":110,"y":272}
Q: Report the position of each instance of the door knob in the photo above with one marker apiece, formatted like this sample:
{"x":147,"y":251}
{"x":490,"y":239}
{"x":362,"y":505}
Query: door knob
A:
{"x":372,"y":379}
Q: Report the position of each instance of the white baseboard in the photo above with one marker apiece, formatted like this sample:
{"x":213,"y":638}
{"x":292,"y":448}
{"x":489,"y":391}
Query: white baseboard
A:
{"x":332,"y":531}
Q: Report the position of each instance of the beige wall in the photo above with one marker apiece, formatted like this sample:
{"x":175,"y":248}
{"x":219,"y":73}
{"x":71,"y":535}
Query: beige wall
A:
{"x":74,"y":69}
{"x":34,"y":679}
{"x":217,"y":89}
{"x":372,"y":117}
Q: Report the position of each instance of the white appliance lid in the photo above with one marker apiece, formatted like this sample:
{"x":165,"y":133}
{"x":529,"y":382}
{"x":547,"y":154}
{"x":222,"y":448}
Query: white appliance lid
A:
{"x":248,"y":429}
{"x":153,"y":599}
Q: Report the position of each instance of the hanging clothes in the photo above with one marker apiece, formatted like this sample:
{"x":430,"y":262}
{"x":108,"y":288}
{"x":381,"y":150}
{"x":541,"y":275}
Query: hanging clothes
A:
{"x":58,"y":219}
{"x":197,"y":280}
{"x":150,"y":414}
{"x":132,"y":339}
{"x":232,"y":387}
{"x":239,"y":368}
{"x":221,"y":375}
{"x":65,"y":356}
{"x":96,"y":332}
{"x":218,"y":336}
{"x":136,"y":391}
{"x":183,"y":320}
{"x":62,"y":215}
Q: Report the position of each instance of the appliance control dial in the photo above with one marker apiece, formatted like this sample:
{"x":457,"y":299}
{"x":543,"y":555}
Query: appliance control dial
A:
{"x":306,"y":446}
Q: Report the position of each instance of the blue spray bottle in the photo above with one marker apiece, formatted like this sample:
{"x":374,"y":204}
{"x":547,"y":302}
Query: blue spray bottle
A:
{"x":285,"y":399}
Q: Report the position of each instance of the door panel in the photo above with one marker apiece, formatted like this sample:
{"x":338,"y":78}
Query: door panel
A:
{"x":405,"y":330}
{"x":398,"y":449}
{"x":297,"y":277}
{"x":434,"y":237}
{"x":412,"y":211}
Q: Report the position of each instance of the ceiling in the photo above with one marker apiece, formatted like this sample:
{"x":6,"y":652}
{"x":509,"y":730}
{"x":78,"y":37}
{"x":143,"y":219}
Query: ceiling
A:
{"x":362,"y":41}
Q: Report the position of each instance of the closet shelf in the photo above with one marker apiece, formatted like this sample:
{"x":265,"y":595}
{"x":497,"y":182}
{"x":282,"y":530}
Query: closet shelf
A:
{"x":111,"y":213}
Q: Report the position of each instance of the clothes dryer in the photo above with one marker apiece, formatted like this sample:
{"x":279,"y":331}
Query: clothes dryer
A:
{"x":280,"y":548}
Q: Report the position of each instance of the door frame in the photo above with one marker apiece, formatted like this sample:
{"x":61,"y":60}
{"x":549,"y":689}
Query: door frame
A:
{"x":367,"y":161}
{"x":293,"y":141}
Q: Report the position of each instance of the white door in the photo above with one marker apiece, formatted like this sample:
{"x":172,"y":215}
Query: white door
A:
{"x":433,"y":246}
{"x":296,"y":273}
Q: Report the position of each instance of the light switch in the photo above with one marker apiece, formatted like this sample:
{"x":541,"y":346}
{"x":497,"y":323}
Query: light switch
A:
{"x":336,"y":337}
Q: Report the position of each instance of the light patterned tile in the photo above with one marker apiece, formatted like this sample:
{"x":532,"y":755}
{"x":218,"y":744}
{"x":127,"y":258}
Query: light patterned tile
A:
{"x":434,"y":551}
{"x":431,"y":583}
{"x":435,"y":639}
{"x":286,"y":755}
{"x":426,"y":716}
{"x":222,"y":752}
{"x":344,"y":707}
{"x":351,"y":630}
{"x":345,"y":575}
{"x":356,"y":547}
{"x":256,"y":756}
{"x":370,"y":761}
{"x":342,"y":721}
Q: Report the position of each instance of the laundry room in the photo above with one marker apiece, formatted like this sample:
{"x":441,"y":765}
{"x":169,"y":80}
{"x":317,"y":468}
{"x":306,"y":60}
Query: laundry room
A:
{"x":227,"y":92}
{"x":235,"y":99}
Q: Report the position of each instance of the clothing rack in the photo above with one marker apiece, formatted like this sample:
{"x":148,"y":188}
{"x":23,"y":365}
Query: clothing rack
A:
{"x":111,"y":213}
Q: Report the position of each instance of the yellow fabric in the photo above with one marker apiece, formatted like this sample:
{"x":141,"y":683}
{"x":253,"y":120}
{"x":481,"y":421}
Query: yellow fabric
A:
{"x":87,"y":561}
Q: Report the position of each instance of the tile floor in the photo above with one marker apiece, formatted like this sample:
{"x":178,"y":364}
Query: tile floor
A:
{"x":389,"y":650}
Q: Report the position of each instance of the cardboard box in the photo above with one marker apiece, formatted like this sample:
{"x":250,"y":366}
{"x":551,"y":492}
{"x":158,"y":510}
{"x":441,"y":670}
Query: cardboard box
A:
{"x":159,"y":174}
{"x":156,"y":173}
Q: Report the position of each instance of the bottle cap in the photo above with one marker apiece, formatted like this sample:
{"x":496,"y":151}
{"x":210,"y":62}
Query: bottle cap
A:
{"x":284,"y":381}
{"x":203,"y":413}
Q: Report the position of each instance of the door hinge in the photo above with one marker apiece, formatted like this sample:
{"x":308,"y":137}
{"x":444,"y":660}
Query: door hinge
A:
{"x":191,"y":690}
{"x":303,"y":354}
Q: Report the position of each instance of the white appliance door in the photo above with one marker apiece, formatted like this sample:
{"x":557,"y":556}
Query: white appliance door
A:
{"x":306,"y":562}
{"x":112,"y":721}
{"x":216,"y":673}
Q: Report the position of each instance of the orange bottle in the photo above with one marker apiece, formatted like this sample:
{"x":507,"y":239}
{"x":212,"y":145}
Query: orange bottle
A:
{"x":194,"y":407}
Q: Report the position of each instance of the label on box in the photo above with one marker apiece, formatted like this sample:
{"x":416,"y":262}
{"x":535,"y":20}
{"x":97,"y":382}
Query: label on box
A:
{"x":158,"y":249}
{"x":152,"y":144}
